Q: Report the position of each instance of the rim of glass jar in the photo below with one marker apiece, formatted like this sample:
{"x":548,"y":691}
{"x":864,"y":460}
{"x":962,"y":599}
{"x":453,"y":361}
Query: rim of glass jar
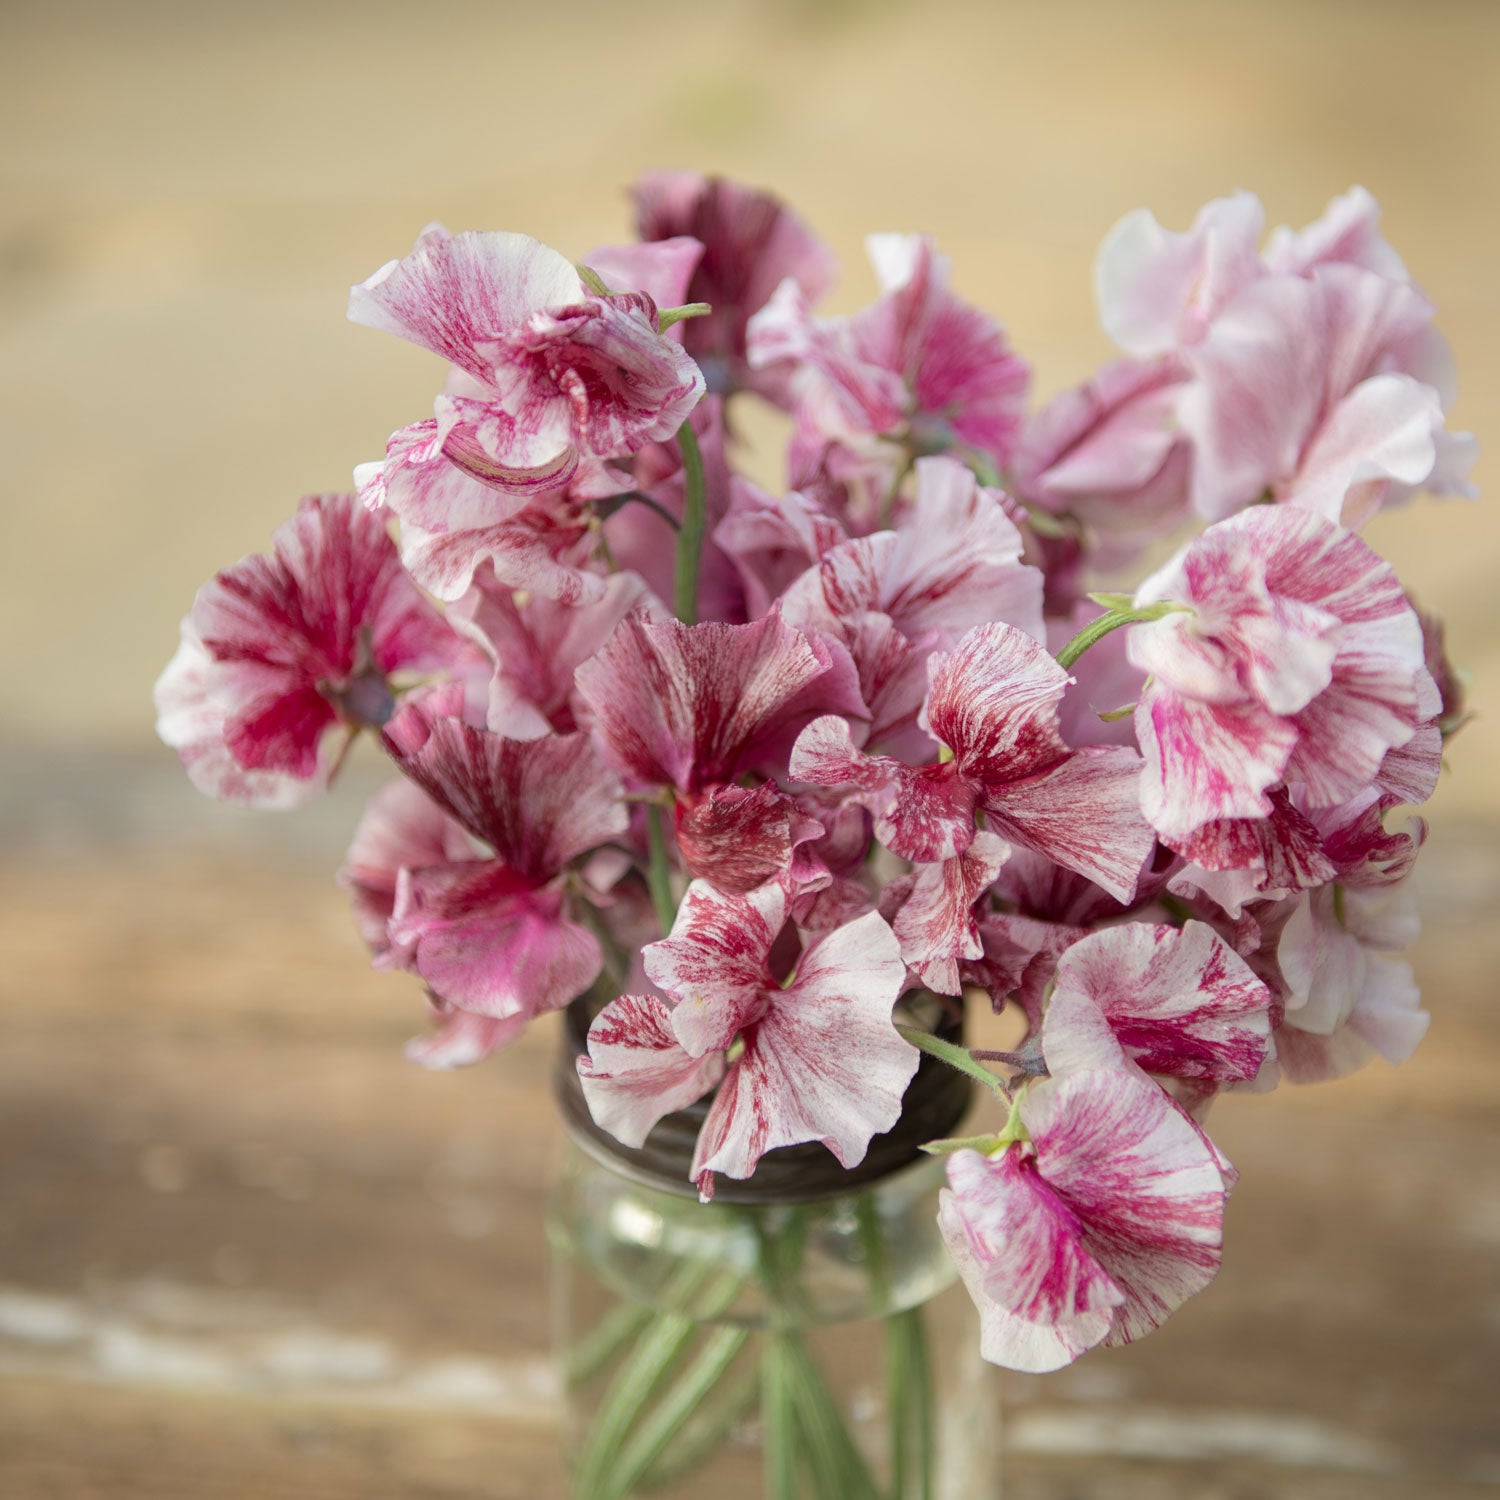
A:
{"x":936,"y":1100}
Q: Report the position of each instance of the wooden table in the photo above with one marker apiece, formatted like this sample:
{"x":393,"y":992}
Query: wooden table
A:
{"x":247,"y":1251}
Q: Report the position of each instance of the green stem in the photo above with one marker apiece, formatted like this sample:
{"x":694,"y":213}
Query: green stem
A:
{"x":637,"y":1381}
{"x":589,"y":1355}
{"x":909,"y":1376}
{"x":659,"y":872}
{"x":1110,"y":620}
{"x":778,"y":1415}
{"x":690,"y":537}
{"x":655,"y":1435}
{"x":955,"y":1057}
{"x":704,"y":1433}
{"x":836,"y":1463}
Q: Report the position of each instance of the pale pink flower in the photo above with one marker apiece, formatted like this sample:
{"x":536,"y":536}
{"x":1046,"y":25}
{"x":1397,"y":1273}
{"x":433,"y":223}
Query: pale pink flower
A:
{"x":1346,"y":998}
{"x":919,"y":367}
{"x":820,"y":1058}
{"x":280,"y":649}
{"x":546,"y":373}
{"x":492,"y":935}
{"x":1110,"y":452}
{"x":1096,"y":1227}
{"x":1298,"y":660}
{"x":993,"y":703}
{"x":751,"y":242}
{"x":536,"y":645}
{"x":1159,"y":290}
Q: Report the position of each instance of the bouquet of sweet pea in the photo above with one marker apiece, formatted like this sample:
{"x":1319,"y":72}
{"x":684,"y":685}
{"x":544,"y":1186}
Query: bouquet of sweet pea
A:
{"x":755,"y":768}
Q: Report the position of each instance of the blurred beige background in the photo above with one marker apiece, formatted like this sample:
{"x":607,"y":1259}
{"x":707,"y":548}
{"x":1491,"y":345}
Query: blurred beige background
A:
{"x":244,"y":1250}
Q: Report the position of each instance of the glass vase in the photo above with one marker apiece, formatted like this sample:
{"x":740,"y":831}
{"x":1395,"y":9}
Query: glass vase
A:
{"x":798,"y":1338}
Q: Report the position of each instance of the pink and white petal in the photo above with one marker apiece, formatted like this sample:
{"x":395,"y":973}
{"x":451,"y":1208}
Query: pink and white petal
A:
{"x":455,"y":292}
{"x":539,"y":803}
{"x":1158,"y":289}
{"x":488,"y":444}
{"x":422,"y":485}
{"x":635,"y":1071}
{"x":824,"y":1063}
{"x":1207,"y":761}
{"x":191,"y":713}
{"x":532,"y":550}
{"x":1387,"y":1020}
{"x":956,"y":559}
{"x":771,"y":543}
{"x":460,"y":1037}
{"x":662,"y":268}
{"x":935,"y":922}
{"x":713,"y":963}
{"x":688,"y":706}
{"x":1042,"y":1298}
{"x":1410,"y":771}
{"x":739,"y":838}
{"x":402,"y":827}
{"x":993,"y":702}
{"x":1383,"y":429}
{"x":1083,"y":813}
{"x":1179,"y":1000}
{"x":1141,"y":1178}
{"x":483,"y":945}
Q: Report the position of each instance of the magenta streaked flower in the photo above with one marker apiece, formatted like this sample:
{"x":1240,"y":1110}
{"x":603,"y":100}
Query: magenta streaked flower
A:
{"x":774,"y":542}
{"x":993,"y":703}
{"x":689,"y":706}
{"x":818,"y":1057}
{"x":933,"y":911}
{"x":1093,"y":1229}
{"x":751,"y":242}
{"x":1298,"y":660}
{"x":546,"y":373}
{"x":894,"y":597}
{"x":1179,"y":1001}
{"x":492,"y":934}
{"x":741,"y":837}
{"x":280,"y":649}
{"x":919,"y":367}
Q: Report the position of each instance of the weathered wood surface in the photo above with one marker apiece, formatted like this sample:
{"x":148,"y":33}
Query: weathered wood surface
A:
{"x":246,"y":1250}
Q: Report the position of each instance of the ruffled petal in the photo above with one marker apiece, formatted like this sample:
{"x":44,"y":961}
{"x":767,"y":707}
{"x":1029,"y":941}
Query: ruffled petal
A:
{"x":635,"y":1071}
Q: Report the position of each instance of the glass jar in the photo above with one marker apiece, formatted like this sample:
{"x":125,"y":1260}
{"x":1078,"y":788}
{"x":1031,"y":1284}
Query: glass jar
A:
{"x":800,"y":1336}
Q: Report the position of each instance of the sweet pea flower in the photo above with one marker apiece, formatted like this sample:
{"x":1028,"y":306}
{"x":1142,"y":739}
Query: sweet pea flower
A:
{"x":281,"y":649}
{"x":891,"y":598}
{"x":818,"y":1059}
{"x":1317,"y":377}
{"x":919,"y":368}
{"x":1346,"y":998}
{"x":1297,"y":659}
{"x":492,"y":936}
{"x":1091,"y":1228}
{"x":546,"y":372}
{"x":693,"y":706}
{"x":993,"y":704}
{"x":1179,"y":1002}
{"x":537,"y":644}
{"x":750,"y":243}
